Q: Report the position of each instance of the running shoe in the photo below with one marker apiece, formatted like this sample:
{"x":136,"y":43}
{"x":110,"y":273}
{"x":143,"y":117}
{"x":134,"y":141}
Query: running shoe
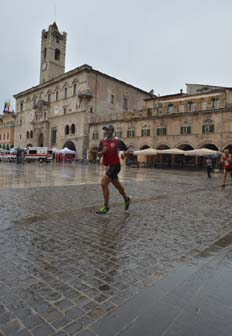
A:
{"x":102,"y":211}
{"x":127,"y":203}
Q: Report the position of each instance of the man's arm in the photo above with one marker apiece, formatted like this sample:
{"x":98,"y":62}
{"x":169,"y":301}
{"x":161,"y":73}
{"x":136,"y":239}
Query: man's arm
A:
{"x":122,"y":147}
{"x":101,"y":150}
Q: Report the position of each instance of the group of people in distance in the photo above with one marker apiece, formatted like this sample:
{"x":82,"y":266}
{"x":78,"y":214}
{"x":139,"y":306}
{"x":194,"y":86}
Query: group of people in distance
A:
{"x":109,"y":149}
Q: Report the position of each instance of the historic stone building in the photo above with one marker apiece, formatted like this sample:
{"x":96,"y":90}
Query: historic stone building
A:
{"x":57,"y":112}
{"x":201,"y":118}
{"x":7,"y":122}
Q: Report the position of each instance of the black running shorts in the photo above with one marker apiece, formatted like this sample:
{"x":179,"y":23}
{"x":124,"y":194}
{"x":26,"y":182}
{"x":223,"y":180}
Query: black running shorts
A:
{"x":113,"y":171}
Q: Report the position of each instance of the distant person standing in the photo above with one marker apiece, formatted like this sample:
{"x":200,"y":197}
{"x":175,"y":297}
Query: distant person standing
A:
{"x":209,"y":164}
{"x":227,"y":165}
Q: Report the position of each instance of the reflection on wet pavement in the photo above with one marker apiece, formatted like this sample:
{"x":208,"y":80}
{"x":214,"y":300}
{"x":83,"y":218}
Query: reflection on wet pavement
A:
{"x":59,"y":174}
{"x":63,"y":268}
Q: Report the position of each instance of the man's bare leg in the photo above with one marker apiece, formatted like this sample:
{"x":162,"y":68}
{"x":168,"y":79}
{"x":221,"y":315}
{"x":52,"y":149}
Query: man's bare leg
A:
{"x":116,"y":183}
{"x":120,"y":188}
{"x":105,"y":189}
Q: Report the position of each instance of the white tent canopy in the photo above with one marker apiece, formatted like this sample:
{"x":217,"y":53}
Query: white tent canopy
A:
{"x":66,"y":151}
{"x":172,"y":151}
{"x":177,"y":151}
{"x":152,"y":151}
{"x":202,"y":152}
{"x":147,"y":151}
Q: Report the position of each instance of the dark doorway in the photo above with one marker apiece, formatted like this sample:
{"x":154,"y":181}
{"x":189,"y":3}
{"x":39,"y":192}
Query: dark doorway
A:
{"x":70,"y":145}
{"x":41,"y":140}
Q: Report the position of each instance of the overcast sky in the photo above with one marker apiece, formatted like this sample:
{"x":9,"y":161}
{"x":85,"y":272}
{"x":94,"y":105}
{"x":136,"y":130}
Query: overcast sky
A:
{"x":148,"y":43}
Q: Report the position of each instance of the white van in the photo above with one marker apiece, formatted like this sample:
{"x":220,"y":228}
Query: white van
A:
{"x":41,"y":154}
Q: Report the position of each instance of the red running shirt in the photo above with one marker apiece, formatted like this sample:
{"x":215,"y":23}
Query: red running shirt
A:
{"x":227,"y":162}
{"x":114,"y":145}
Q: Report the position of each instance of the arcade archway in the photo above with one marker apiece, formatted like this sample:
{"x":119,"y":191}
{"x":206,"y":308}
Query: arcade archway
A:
{"x":229,"y":147}
{"x":201,"y":161}
{"x":185,"y":161}
{"x":70,"y":145}
{"x":210,"y":146}
{"x":163,"y":160}
{"x":144,"y":147}
{"x":131,"y":159}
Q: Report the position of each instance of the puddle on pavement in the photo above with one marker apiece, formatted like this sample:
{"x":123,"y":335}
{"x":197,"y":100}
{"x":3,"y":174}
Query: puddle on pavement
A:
{"x":29,"y":220}
{"x":216,"y":247}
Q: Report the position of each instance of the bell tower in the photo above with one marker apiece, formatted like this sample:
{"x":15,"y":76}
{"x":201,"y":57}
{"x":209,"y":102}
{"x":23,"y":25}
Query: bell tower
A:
{"x":53,"y":51}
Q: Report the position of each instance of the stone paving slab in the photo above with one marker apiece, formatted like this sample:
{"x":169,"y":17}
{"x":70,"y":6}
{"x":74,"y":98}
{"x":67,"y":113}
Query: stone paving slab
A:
{"x":62,"y":268}
{"x":189,"y":301}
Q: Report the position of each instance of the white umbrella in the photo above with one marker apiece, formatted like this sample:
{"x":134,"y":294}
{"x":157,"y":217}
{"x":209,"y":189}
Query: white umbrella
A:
{"x":202,"y":152}
{"x":172,"y":151}
{"x":148,"y":152}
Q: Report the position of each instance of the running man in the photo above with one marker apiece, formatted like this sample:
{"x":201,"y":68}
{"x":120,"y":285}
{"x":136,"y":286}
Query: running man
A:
{"x":227,"y":164}
{"x":109,"y":149}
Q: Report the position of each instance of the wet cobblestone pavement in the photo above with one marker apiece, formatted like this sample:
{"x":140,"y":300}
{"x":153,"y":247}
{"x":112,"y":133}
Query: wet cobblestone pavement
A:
{"x":63,"y":268}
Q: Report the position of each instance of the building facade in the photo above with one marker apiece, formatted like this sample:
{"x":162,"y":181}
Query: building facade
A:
{"x":7,"y":123}
{"x":185,"y":121}
{"x":57,"y":112}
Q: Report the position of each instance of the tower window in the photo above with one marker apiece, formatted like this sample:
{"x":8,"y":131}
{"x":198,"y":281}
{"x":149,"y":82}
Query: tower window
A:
{"x":65,"y":92}
{"x":45,"y":53}
{"x":112,"y":99}
{"x":73,"y":129}
{"x":66,"y":130}
{"x":49,"y":97}
{"x":74,"y":89}
{"x":57,"y":95}
{"x":21,"y":106}
{"x":57,"y":54}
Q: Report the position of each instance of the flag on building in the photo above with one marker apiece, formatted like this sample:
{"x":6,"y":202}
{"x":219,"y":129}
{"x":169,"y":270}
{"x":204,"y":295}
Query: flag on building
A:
{"x":7,"y":106}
